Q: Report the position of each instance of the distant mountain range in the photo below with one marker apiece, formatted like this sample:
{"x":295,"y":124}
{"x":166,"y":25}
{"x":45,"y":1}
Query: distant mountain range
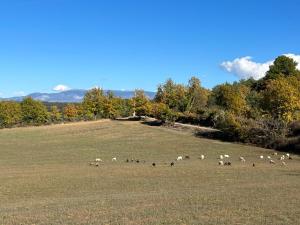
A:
{"x":75,"y":95}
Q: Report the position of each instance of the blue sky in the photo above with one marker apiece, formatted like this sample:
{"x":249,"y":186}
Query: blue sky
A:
{"x":138,"y":44}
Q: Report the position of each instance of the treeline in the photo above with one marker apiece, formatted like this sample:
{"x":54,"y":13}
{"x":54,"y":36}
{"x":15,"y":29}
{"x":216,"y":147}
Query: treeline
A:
{"x":264,"y":112}
{"x":31,"y":112}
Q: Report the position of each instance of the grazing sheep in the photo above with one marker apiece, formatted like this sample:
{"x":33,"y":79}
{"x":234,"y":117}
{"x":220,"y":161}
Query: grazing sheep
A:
{"x":261,"y":157}
{"x":172,"y":164}
{"x":282,"y":157}
{"x":269,"y":157}
{"x":242,"y":159}
{"x":272,"y":161}
{"x":221,"y":157}
{"x":227,"y":163}
{"x":153,"y":164}
{"x":253,"y":165}
{"x":287,"y":154}
{"x":275,"y":153}
{"x":221,"y":163}
{"x":226,"y":156}
{"x":179,"y":158}
{"x":98,"y":160}
{"x":283,"y":163}
{"x":202,"y":157}
{"x":137,"y":161}
{"x":114,"y":159}
{"x":187,"y":157}
{"x":94,"y":164}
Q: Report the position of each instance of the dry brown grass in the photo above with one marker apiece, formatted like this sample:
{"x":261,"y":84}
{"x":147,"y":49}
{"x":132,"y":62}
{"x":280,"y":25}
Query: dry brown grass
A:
{"x":45,"y":178}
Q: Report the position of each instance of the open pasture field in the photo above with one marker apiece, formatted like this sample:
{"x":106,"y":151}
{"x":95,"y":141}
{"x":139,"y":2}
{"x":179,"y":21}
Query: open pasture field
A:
{"x":45,"y":178}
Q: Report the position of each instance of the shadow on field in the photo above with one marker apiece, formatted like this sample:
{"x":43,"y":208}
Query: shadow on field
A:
{"x":129,"y":118}
{"x":143,"y":119}
{"x":288,"y":144}
{"x":216,"y":135}
{"x":153,"y":123}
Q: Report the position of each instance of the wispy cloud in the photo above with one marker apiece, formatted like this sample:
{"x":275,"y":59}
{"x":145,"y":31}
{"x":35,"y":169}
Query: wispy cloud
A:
{"x":245,"y":67}
{"x":61,"y":87}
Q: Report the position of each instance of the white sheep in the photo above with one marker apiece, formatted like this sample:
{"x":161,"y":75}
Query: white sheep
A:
{"x":269,"y":157}
{"x":282,"y":157}
{"x":221,"y":157}
{"x":179,"y":158}
{"x":98,"y":160}
{"x":114,"y":159}
{"x":242,"y":159}
{"x":287,"y":154}
{"x":272,"y":161}
{"x":275,"y":153}
{"x":283,"y":163}
{"x":221,"y":163}
{"x":202,"y":157}
{"x":226,"y":156}
{"x":261,"y":157}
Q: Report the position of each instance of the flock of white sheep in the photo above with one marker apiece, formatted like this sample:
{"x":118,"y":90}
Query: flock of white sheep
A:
{"x":224,"y":160}
{"x":261,"y":157}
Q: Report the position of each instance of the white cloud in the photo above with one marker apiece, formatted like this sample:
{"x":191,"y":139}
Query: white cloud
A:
{"x":61,"y":87}
{"x":295,"y":57}
{"x":245,"y":67}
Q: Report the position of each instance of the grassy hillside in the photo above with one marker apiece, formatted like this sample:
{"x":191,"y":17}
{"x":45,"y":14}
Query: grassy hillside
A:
{"x":45,"y":178}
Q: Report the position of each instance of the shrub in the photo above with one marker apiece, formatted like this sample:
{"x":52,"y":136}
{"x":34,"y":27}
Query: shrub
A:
{"x":10,"y":114}
{"x":34,"y":112}
{"x":295,"y":128}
